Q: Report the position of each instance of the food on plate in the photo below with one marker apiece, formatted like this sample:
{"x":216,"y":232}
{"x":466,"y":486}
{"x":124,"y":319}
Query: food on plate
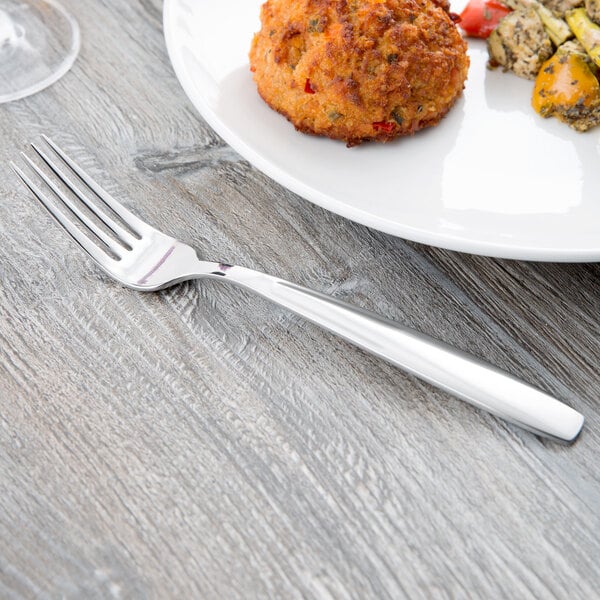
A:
{"x":567,"y":88}
{"x":586,"y":31}
{"x":560,"y":7}
{"x":533,"y":41}
{"x":520,"y":43}
{"x":359,"y":70}
{"x":481,"y":17}
{"x":592,"y":8}
{"x":556,"y":27}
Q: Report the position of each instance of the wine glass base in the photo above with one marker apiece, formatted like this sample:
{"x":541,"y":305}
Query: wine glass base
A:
{"x":39,"y":42}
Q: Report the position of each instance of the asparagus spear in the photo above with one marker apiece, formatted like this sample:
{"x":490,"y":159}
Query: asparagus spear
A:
{"x":586,"y":31}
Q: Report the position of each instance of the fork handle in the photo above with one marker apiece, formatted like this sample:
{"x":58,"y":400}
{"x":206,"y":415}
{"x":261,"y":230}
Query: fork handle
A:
{"x":455,"y":371}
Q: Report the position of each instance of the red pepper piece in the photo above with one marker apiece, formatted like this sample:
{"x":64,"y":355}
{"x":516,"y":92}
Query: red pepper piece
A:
{"x":481,"y":17}
{"x":386,"y":126}
{"x":308,"y":88}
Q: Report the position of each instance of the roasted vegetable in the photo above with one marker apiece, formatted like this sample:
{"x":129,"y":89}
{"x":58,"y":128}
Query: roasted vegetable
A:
{"x":567,"y":88}
{"x":586,"y":31}
{"x":481,"y":17}
{"x":592,"y":8}
{"x":560,"y":7}
{"x":556,"y":27}
{"x":520,"y":43}
{"x":566,"y":82}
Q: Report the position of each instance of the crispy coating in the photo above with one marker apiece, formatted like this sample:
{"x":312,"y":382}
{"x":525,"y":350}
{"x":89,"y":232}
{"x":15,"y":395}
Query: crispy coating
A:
{"x":359,"y":70}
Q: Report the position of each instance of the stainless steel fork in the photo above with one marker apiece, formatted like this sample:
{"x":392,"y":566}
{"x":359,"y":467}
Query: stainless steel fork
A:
{"x":145,"y":259}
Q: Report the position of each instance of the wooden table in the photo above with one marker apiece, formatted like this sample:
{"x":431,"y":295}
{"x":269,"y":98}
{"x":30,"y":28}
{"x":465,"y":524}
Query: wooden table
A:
{"x":202,"y":443}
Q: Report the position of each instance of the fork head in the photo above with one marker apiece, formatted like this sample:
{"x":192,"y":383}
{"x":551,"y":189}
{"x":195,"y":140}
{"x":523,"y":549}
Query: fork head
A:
{"x":128,"y":249}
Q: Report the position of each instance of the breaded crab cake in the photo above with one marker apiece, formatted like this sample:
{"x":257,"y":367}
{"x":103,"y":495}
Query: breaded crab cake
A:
{"x":359,"y":70}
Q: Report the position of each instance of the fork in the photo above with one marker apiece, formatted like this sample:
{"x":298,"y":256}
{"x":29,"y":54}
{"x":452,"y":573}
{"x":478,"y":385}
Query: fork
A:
{"x":145,"y":259}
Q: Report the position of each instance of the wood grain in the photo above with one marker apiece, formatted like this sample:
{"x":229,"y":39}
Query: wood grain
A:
{"x":202,"y":443}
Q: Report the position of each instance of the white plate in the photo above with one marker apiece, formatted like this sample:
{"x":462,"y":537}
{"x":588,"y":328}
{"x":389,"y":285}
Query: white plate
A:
{"x":493,"y":178}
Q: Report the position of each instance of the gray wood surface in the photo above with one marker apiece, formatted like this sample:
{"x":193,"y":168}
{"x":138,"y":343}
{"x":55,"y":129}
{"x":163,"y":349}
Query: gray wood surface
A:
{"x":202,"y":443}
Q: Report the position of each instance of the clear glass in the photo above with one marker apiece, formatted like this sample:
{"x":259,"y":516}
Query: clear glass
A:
{"x":39,"y":41}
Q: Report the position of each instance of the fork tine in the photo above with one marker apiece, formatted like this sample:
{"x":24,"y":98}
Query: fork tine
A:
{"x":124,"y":236}
{"x":107,"y":240}
{"x":134,"y":222}
{"x":99,"y":255}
